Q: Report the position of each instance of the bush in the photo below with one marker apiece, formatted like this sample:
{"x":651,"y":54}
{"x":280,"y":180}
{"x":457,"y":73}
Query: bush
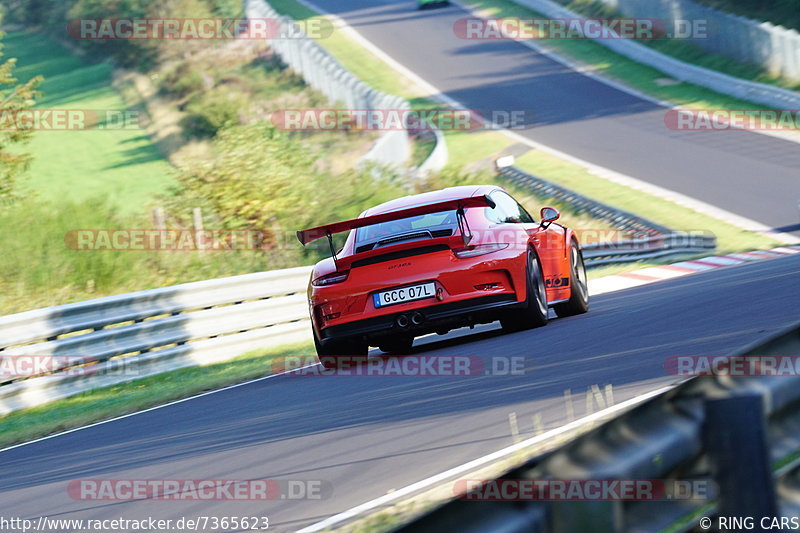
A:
{"x":263,"y":179}
{"x":129,"y":53}
{"x":181,"y":81}
{"x":209,"y":112}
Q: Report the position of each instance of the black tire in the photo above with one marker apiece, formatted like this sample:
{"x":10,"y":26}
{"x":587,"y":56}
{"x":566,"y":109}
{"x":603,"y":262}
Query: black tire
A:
{"x":578,"y":302}
{"x":400,"y":345}
{"x":534,"y":314}
{"x":330,"y":351}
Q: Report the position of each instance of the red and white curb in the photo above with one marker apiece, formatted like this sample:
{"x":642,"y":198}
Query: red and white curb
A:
{"x":626,"y":280}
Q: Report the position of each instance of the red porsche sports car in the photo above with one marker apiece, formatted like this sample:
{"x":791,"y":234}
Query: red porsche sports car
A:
{"x":437,"y":261}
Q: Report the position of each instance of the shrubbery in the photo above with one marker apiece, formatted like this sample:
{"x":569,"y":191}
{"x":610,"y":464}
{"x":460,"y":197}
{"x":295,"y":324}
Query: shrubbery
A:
{"x":181,"y":81}
{"x":208,"y":112}
{"x":53,"y":15}
{"x":262,"y":178}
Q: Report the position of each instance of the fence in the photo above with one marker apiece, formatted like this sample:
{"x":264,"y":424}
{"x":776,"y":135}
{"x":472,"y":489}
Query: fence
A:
{"x":724,"y":433}
{"x":775,"y":48}
{"x":759,"y":93}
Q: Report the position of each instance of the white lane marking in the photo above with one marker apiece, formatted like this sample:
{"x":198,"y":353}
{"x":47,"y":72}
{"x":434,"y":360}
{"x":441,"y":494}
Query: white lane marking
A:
{"x":54,"y":435}
{"x":746,"y":256}
{"x":466,"y":467}
{"x":662,"y":273}
{"x":596,"y":170}
{"x":721,"y":260}
{"x":613,"y":283}
{"x":694,"y":266}
{"x":766,"y":254}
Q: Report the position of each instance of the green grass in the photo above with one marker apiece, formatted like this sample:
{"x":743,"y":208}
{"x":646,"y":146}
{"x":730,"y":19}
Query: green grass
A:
{"x":784,"y":12}
{"x":122,"y":165}
{"x":686,"y":50}
{"x":423,"y":147}
{"x":615,"y":66}
{"x":117,"y":400}
{"x":465,"y":148}
{"x":37,"y":269}
{"x":729,"y":238}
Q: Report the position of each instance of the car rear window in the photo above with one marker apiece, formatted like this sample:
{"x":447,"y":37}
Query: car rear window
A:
{"x":413,"y":228}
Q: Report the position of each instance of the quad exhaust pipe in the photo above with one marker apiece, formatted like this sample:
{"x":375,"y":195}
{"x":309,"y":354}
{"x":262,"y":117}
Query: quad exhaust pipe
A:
{"x":404,"y":321}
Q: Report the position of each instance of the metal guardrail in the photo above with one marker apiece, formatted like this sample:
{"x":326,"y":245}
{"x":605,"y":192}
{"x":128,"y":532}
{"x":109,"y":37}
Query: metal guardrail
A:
{"x":583,"y":204}
{"x":324,"y":73}
{"x":725,"y":432}
{"x":640,"y":249}
{"x":143,"y":333}
{"x":774,"y":48}
{"x":759,"y":93}
{"x":651,"y":242}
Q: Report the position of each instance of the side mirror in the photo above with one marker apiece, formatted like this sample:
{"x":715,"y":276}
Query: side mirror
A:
{"x":549,"y":215}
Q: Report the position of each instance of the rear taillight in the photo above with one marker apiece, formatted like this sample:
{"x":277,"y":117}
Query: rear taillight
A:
{"x":330,"y":279}
{"x":478,"y":249}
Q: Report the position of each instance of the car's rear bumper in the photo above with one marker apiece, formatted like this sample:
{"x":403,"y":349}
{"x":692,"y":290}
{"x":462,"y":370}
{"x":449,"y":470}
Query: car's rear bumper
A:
{"x":438,"y":317}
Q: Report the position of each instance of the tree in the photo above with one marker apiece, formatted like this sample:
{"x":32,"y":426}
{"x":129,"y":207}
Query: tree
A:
{"x":14,"y":97}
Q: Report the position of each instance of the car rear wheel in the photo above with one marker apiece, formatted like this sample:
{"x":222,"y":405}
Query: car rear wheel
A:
{"x":578,"y":302}
{"x":332,"y":350}
{"x":397,"y":346}
{"x":534,"y":314}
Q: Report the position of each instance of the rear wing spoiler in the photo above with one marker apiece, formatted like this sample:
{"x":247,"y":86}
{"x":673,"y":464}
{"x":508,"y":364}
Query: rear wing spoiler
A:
{"x":312,"y":234}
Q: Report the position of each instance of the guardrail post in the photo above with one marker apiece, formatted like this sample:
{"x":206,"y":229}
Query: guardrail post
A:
{"x":736,"y":442}
{"x":594,"y":516}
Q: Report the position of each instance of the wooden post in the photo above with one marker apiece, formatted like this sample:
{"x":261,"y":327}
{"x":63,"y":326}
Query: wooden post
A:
{"x":158,"y":218}
{"x":159,"y":224}
{"x":197,"y":219}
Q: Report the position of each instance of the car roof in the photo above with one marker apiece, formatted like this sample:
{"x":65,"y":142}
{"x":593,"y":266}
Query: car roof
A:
{"x":442,"y":195}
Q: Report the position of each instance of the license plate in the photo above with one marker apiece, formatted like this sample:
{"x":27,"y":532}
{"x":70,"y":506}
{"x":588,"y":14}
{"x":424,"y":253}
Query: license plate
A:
{"x":406,"y":294}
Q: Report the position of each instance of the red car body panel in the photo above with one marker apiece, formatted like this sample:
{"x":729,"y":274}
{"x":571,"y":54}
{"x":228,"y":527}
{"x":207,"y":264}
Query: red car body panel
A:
{"x":468,"y":285}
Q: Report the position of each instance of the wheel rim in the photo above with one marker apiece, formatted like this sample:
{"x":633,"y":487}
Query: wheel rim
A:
{"x":541,"y":293}
{"x":579,"y":272}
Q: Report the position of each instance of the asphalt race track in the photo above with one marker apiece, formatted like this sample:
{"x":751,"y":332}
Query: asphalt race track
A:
{"x":363,"y":436}
{"x":751,"y":175}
